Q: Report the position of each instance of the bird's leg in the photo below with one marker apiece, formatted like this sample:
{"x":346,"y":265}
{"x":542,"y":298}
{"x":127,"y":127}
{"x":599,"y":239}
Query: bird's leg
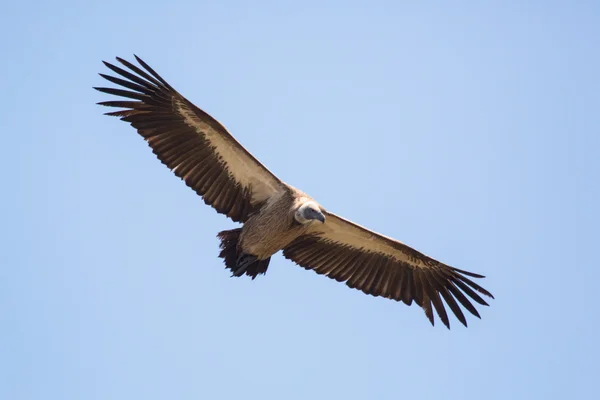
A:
{"x":243,"y":262}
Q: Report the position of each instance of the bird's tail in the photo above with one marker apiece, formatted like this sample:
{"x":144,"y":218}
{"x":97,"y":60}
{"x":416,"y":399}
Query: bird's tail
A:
{"x":237,"y":261}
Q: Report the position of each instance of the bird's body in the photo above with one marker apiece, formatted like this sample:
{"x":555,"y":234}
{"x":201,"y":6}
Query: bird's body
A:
{"x":276,"y":216}
{"x":269,"y":231}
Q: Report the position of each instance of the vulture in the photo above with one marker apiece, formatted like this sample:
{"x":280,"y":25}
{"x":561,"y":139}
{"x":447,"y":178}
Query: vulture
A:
{"x":274,"y":215}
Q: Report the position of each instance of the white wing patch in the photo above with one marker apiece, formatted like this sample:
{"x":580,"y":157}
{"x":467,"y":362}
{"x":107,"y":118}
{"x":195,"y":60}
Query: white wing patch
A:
{"x":339,"y":230}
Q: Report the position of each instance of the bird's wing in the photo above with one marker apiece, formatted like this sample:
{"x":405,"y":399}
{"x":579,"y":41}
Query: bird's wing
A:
{"x":190,"y":142}
{"x":381,"y":266}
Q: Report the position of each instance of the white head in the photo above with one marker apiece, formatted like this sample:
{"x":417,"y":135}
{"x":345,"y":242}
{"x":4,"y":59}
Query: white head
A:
{"x":308,"y":212}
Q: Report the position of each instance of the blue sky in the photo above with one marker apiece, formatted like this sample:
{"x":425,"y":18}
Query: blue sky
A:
{"x":469,"y":131}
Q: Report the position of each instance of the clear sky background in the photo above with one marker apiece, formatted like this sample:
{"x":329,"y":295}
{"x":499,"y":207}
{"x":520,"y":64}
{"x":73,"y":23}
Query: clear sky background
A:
{"x":469,"y":131}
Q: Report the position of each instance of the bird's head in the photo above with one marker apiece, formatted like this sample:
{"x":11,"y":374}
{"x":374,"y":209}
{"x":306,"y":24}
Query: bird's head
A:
{"x":309,"y":211}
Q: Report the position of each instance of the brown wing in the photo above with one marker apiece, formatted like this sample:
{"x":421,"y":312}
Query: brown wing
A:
{"x":190,"y":142}
{"x":381,"y":266}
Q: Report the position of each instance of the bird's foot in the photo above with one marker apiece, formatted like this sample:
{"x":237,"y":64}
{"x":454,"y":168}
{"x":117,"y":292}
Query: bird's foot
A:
{"x":242,"y":263}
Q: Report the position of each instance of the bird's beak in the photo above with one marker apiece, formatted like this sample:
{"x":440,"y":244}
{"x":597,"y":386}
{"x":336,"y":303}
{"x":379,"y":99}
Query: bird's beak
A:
{"x":321,"y":217}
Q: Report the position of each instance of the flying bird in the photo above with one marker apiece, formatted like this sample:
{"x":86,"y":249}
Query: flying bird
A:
{"x":275,"y":215}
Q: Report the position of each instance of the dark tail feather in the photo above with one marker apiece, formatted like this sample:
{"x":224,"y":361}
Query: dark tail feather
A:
{"x":230,"y":254}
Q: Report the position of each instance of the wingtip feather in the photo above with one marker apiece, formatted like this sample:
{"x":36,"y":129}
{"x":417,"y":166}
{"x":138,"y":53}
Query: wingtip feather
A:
{"x":471,"y":274}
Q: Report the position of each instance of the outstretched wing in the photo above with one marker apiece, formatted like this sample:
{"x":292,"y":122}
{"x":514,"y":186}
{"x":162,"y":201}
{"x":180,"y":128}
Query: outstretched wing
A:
{"x":381,"y":266}
{"x":190,"y":142}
